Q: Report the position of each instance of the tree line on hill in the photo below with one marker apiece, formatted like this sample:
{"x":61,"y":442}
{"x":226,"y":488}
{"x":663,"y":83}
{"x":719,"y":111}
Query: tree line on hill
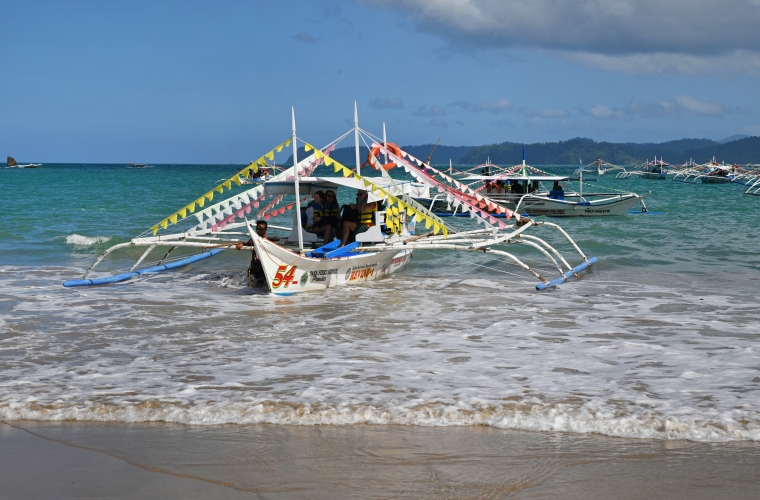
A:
{"x":578,"y":150}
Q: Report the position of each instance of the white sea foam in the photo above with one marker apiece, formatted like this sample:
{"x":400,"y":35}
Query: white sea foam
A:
{"x":79,"y":240}
{"x":612,"y":358}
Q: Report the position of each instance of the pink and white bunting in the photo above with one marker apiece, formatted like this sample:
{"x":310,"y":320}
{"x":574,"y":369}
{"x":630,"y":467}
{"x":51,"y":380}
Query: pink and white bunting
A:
{"x":469,"y":201}
{"x":245,"y":209}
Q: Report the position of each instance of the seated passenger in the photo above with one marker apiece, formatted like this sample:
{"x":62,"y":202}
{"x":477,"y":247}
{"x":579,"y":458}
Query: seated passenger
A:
{"x":365,"y":220}
{"x":331,"y":215}
{"x":315,"y":218}
{"x":557,"y":193}
{"x":516,"y":187}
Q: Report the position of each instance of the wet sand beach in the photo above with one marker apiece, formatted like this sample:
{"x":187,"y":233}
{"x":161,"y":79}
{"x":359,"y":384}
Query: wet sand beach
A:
{"x":120,"y":460}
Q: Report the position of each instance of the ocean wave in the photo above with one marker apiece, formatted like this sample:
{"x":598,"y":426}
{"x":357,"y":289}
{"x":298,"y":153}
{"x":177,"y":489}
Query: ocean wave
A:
{"x":85,"y":241}
{"x":537,"y":418}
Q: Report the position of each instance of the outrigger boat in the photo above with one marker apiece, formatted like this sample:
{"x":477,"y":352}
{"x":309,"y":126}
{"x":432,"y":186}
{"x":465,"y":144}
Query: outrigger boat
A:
{"x":12,"y":163}
{"x":520,"y":189}
{"x":754,"y":188}
{"x":715,"y":173}
{"x":655,"y":169}
{"x":600,"y":167}
{"x":591,"y":175}
{"x":382,"y":250}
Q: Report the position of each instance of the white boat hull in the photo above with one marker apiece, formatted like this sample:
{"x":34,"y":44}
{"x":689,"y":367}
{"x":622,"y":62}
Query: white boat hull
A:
{"x":288,"y":273}
{"x":541,"y":205}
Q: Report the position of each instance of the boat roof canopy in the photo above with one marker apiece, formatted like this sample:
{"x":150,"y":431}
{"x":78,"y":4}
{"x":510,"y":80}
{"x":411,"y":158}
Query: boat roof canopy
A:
{"x":516,"y":178}
{"x":310,"y":185}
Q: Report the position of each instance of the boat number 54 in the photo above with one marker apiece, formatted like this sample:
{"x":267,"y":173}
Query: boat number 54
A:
{"x":283,"y":276}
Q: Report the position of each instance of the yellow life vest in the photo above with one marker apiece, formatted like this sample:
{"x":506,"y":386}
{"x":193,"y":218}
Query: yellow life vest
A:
{"x":317,"y":214}
{"x":332,"y":212}
{"x":368,"y":218}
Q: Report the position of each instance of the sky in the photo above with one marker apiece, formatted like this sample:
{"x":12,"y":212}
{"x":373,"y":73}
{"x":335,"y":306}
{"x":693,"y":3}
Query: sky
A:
{"x":214,"y":82}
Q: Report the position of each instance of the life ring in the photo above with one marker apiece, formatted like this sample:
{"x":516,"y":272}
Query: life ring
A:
{"x":374,"y":153}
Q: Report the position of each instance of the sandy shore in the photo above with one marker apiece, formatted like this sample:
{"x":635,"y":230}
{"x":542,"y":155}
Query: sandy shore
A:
{"x":116,"y":460}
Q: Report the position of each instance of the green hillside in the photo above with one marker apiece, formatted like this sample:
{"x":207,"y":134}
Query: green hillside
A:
{"x":573,"y":151}
{"x":586,"y":150}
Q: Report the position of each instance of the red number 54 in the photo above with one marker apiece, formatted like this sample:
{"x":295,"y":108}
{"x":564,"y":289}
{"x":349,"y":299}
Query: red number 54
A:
{"x":283,"y":276}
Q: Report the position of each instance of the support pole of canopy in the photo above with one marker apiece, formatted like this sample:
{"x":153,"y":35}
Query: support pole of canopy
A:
{"x":385,"y":144}
{"x":356,"y":140}
{"x":295,"y":171}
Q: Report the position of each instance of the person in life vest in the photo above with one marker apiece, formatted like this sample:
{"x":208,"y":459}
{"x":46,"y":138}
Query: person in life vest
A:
{"x":331,"y":214}
{"x":365,"y":220}
{"x":557,"y":193}
{"x":315,"y":218}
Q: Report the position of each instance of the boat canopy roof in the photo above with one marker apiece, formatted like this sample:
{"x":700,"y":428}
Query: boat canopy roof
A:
{"x":309,"y":185}
{"x":516,"y":178}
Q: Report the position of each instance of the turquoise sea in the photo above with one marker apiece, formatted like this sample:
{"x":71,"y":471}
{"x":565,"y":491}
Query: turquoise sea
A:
{"x":659,"y":340}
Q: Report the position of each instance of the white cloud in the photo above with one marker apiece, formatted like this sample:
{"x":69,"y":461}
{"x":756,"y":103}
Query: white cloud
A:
{"x":494,"y":107}
{"x":602,"y":112}
{"x":384,"y":103}
{"x":545,"y":112}
{"x":433,"y":110}
{"x":699,"y":107}
{"x":680,"y":105}
{"x":649,"y":36}
{"x":661,"y":62}
{"x":438,"y":122}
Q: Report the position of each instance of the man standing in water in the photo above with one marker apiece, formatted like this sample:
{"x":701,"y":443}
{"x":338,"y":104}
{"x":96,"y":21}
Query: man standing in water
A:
{"x":256,"y":270}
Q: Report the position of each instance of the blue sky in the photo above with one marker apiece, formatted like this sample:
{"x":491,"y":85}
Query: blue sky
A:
{"x":213,"y":82}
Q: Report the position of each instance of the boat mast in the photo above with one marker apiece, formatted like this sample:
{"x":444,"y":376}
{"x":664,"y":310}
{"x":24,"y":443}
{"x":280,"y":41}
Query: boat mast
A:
{"x":580,"y":179}
{"x":356,"y":140}
{"x":295,"y":171}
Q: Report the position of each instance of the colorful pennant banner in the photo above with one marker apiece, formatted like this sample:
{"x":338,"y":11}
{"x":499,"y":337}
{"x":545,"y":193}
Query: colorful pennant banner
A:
{"x":254,"y":166}
{"x":462,"y":195}
{"x":286,"y":208}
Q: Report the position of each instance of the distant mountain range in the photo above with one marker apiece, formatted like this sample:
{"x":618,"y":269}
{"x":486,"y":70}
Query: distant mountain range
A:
{"x":735,"y":149}
{"x":577,"y":150}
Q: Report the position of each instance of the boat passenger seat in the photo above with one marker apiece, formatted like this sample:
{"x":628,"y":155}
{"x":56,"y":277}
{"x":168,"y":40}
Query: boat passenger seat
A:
{"x":373,"y":234}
